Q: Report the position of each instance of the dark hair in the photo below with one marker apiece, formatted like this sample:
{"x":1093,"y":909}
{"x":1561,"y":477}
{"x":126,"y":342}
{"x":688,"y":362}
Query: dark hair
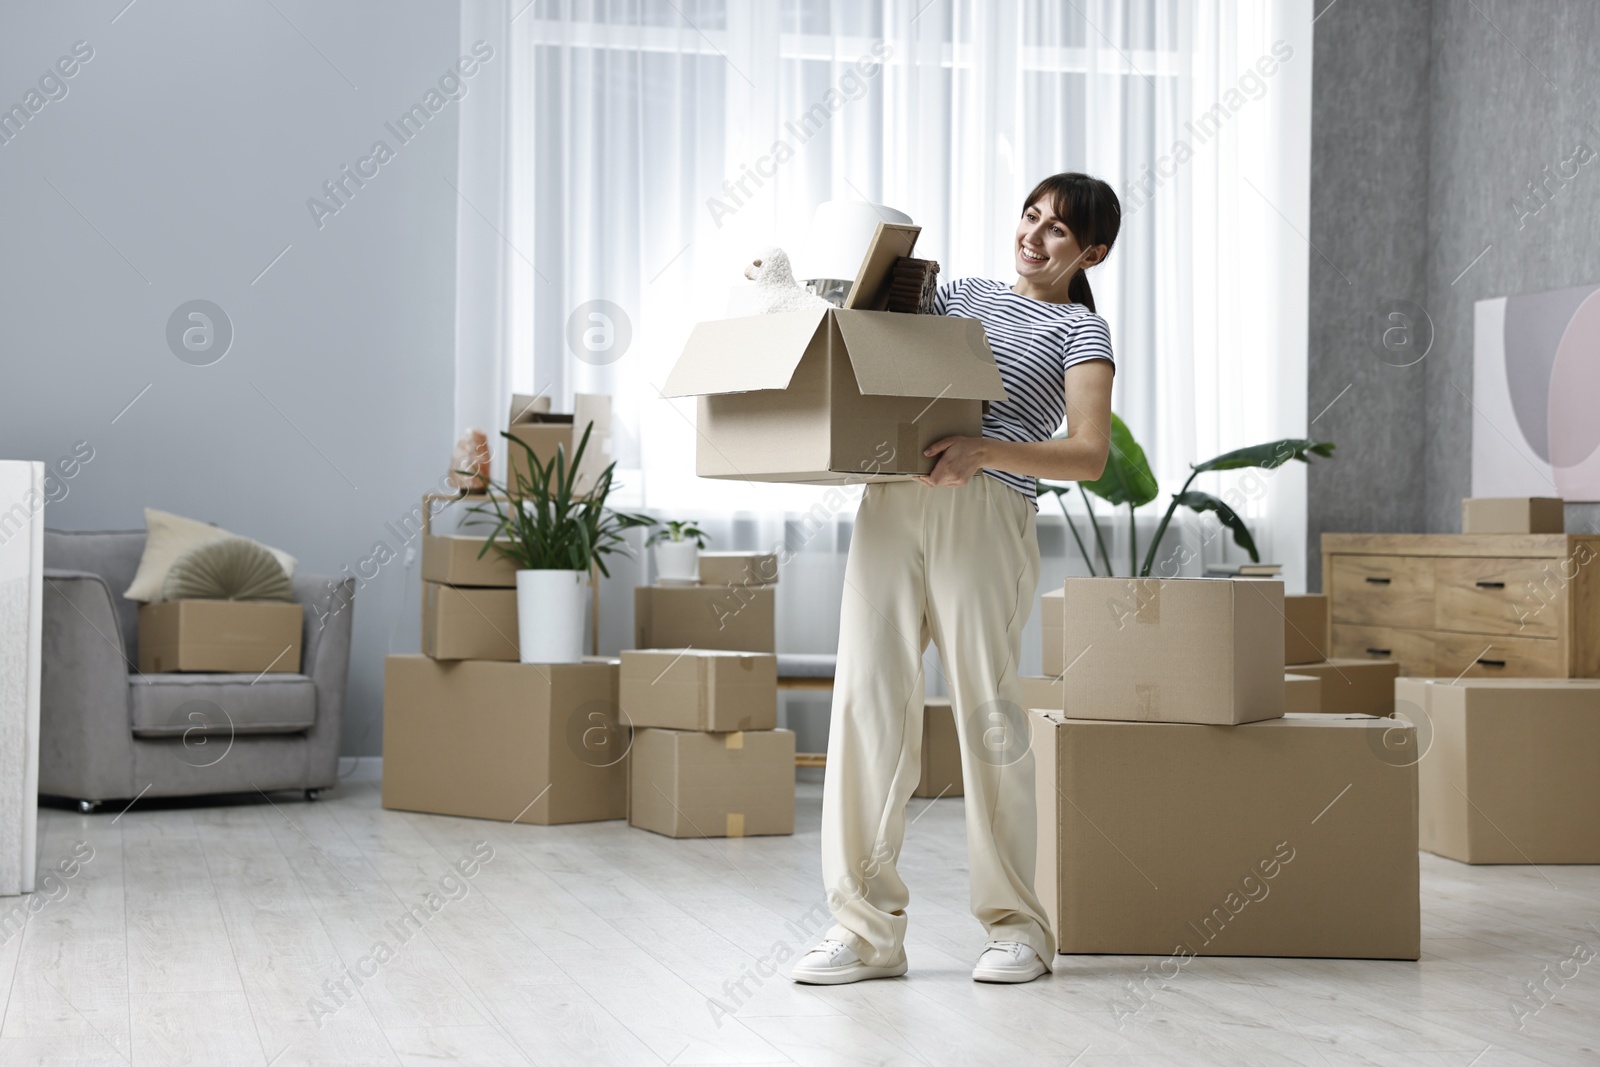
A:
{"x":1090,"y":209}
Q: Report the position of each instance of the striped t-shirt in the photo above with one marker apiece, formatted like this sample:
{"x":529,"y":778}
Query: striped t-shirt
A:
{"x":1034,"y":342}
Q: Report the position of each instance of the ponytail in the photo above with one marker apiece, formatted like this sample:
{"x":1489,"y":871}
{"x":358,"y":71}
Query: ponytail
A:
{"x":1091,"y":210}
{"x":1078,"y":290}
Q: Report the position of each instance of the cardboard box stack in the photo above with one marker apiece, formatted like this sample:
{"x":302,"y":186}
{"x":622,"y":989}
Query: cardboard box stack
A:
{"x":1347,"y":686}
{"x":1507,"y":767}
{"x":468,"y":728}
{"x":1176,"y":797}
{"x":469,"y":601}
{"x":534,"y":424}
{"x":707,"y":757}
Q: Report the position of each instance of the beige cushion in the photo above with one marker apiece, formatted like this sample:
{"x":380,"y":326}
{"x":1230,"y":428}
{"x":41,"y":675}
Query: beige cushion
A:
{"x":170,"y":536}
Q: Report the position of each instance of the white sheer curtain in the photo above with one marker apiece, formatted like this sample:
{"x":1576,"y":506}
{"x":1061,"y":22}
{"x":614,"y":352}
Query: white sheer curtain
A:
{"x":640,"y":152}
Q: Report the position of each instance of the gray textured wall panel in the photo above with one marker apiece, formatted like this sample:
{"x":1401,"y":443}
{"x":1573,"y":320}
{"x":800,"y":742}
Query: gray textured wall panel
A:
{"x":1369,"y":182}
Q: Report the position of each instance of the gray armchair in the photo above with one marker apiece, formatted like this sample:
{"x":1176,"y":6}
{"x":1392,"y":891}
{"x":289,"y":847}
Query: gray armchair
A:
{"x":107,"y":731}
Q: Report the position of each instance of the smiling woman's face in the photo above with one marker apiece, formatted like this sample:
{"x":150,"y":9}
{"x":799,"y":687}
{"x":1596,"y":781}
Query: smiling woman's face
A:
{"x":1046,"y":251}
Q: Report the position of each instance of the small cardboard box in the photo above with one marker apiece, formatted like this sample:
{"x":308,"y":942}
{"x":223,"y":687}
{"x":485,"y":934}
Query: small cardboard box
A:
{"x":1053,"y":632}
{"x":1196,"y":650}
{"x":1513,"y":515}
{"x":233,"y":636}
{"x":686,"y":783}
{"x":469,"y":623}
{"x":519,"y":742}
{"x":941,"y":751}
{"x":544,"y":431}
{"x":1049,"y":693}
{"x":699,"y":689}
{"x":1302,"y":694}
{"x":705,"y":616}
{"x":1508,"y":775}
{"x":1355,"y":686}
{"x":738,"y":568}
{"x":1305,"y":629}
{"x":1288,"y":837}
{"x":454,"y":559}
{"x":835,"y":395}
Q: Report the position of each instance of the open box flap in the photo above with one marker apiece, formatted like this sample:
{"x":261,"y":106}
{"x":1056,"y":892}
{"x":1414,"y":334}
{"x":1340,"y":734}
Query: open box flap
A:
{"x":934,"y":356}
{"x":745,"y":354}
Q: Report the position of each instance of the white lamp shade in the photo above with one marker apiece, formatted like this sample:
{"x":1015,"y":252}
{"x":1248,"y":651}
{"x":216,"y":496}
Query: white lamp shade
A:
{"x":839,"y":236}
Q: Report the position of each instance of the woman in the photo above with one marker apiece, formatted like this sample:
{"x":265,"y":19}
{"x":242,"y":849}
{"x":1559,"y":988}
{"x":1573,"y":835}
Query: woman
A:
{"x":953,"y":556}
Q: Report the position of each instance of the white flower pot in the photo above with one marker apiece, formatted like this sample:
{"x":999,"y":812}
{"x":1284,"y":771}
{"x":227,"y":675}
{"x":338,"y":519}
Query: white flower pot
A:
{"x":677,"y":561}
{"x":550,"y":615}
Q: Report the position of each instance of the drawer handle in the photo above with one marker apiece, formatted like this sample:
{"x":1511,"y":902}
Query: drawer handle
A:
{"x":1377,"y":651}
{"x":1378,"y":581}
{"x":1492,"y":662}
{"x":1491,"y":585}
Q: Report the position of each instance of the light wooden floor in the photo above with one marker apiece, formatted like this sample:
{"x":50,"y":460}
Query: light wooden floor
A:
{"x":200,"y":934}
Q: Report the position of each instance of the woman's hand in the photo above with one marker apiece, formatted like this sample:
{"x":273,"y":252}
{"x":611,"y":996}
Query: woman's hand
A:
{"x":959,"y":459}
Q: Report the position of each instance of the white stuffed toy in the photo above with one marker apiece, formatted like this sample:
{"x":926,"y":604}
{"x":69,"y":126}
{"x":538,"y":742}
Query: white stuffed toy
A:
{"x":776,"y":289}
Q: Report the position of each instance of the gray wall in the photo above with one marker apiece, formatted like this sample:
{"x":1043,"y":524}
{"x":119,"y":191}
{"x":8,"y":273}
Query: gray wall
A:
{"x":1427,"y":119}
{"x":1496,"y":124}
{"x":187,"y":147}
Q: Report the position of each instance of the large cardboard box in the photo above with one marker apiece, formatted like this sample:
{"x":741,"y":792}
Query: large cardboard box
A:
{"x":686,"y":783}
{"x":533,"y":423}
{"x":1354,"y":686}
{"x":469,"y":623}
{"x":1198,"y":650}
{"x":1288,"y":837}
{"x":738,"y":568}
{"x":234,"y":636}
{"x":1305,"y":629}
{"x":1052,"y":631}
{"x":1508,"y":774}
{"x":1513,"y":515}
{"x":1302,"y":694}
{"x":941,"y":751}
{"x":1043,"y":692}
{"x":519,"y":742}
{"x":835,"y":395}
{"x":699,"y":689}
{"x":705,"y":616}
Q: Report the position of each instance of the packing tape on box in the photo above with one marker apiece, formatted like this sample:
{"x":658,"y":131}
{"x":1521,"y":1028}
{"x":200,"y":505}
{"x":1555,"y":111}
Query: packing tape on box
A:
{"x":734,"y":740}
{"x":1147,"y":595}
{"x":735,"y":826}
{"x":1148,"y":698}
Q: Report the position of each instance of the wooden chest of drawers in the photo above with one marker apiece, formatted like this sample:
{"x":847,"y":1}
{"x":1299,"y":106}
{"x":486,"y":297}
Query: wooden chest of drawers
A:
{"x":1471,"y":605}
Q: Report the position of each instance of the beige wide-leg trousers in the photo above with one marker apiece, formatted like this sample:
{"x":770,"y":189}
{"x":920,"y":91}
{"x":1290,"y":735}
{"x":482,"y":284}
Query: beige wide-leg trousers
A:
{"x":959,"y":566}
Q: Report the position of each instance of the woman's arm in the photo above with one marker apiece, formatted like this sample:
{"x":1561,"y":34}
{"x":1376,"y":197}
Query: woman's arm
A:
{"x":1078,"y":457}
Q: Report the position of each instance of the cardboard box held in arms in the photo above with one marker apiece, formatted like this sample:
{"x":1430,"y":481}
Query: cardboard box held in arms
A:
{"x":1289,"y":837}
{"x":835,"y":395}
{"x":1507,"y":767}
{"x":519,"y":742}
{"x":220,"y":635}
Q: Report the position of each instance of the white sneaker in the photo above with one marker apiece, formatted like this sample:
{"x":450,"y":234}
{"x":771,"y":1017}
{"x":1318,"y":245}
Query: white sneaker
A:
{"x":833,"y":963}
{"x":1008,"y":961}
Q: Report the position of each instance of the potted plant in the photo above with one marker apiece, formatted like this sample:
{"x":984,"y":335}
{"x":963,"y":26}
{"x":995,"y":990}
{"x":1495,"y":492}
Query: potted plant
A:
{"x":1128,"y":480}
{"x":678,"y":545}
{"x":556,"y":537}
